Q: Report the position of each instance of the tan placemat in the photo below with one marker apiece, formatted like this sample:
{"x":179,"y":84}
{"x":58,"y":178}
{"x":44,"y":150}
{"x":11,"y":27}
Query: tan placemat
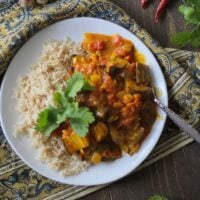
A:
{"x":181,"y":69}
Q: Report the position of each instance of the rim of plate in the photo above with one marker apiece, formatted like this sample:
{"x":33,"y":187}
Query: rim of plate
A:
{"x":71,"y":180}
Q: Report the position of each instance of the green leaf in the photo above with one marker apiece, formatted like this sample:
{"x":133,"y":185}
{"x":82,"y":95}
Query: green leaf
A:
{"x":181,"y":39}
{"x":87,"y":86}
{"x":61,"y":116}
{"x":196,"y":42}
{"x":186,"y":10}
{"x":83,"y":113}
{"x":184,"y":38}
{"x":74,"y":84}
{"x":67,"y":112}
{"x":57,"y":98}
{"x":157,"y":197}
{"x":80,"y":121}
{"x":79,"y":126}
{"x":46,"y":122}
{"x":67,"y":109}
{"x":191,"y":14}
{"x":194,"y":3}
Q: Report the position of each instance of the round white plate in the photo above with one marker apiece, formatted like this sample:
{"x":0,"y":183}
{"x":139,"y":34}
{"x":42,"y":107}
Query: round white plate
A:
{"x":75,"y":28}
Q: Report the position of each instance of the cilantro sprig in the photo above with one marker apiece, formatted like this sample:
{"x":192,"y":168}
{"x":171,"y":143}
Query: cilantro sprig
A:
{"x":157,"y":197}
{"x":191,"y":13}
{"x":67,"y":108}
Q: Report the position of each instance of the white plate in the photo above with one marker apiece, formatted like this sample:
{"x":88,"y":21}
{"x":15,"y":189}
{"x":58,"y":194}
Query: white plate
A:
{"x":28,"y":54}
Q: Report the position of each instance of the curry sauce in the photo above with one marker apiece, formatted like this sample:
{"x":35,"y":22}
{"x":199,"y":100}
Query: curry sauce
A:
{"x":124,"y":109}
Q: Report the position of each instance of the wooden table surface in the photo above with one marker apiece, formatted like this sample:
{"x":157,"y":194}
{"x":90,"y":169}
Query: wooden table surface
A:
{"x":176,"y":176}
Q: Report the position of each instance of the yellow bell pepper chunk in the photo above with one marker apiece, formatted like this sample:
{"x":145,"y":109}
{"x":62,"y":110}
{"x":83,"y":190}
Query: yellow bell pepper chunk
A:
{"x":100,"y":131}
{"x":74,"y":142}
{"x":96,"y":158}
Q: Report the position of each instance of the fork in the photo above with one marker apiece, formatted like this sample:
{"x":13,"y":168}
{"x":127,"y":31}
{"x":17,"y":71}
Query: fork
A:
{"x":143,"y":71}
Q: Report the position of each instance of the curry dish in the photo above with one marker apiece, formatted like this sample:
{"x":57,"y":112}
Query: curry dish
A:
{"x":121,"y":101}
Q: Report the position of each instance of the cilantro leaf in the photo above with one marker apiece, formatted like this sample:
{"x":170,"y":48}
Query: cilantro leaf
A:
{"x":181,"y":39}
{"x":77,"y":83}
{"x":67,"y":112}
{"x":87,"y":86}
{"x":57,"y":98}
{"x":74,"y":84}
{"x":66,"y":108}
{"x":60,"y":99}
{"x":83,"y":113}
{"x":79,"y":126}
{"x":193,"y":3}
{"x":184,"y":38}
{"x":157,"y":197}
{"x":191,"y":13}
{"x":46,"y":122}
{"x":80,"y":121}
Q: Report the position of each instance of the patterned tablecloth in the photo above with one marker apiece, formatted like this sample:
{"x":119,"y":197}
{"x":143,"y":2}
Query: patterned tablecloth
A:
{"x":181,"y":70}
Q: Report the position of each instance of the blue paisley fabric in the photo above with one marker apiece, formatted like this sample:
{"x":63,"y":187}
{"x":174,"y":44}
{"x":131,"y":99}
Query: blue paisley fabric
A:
{"x":181,"y":70}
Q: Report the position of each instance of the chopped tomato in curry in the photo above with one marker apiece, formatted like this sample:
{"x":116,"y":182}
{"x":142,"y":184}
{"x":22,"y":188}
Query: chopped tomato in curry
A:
{"x":123,"y":108}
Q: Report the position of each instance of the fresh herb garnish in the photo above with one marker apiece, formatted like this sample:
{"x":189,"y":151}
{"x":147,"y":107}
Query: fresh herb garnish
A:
{"x":191,"y":12}
{"x":77,"y":83}
{"x":157,"y":197}
{"x":66,"y":107}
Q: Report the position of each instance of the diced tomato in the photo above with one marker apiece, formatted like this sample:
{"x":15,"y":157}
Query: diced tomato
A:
{"x":97,"y":45}
{"x":128,"y":58}
{"x":120,"y":51}
{"x":108,"y":84}
{"x":103,"y":61}
{"x":112,"y":98}
{"x":112,"y":154}
{"x":127,"y":122}
{"x":117,"y":40}
{"x":137,"y":100}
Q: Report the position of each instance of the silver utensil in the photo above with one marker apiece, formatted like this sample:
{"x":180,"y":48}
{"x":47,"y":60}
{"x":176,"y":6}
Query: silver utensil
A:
{"x":180,"y":122}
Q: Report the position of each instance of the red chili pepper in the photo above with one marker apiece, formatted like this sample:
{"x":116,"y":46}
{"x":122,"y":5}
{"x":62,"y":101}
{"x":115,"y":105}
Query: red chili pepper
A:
{"x":160,"y":9}
{"x":144,"y":3}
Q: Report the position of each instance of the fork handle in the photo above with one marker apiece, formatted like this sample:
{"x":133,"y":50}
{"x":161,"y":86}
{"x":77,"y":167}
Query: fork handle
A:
{"x":180,"y":122}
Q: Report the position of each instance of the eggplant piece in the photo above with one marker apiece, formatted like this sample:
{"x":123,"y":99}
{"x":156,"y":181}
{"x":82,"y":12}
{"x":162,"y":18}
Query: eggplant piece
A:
{"x":116,"y":66}
{"x":117,"y":136}
{"x":101,"y":112}
{"x":114,"y":71}
{"x":142,"y":74}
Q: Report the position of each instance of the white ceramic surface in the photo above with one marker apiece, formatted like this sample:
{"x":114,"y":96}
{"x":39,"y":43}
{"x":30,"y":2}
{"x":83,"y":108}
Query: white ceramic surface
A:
{"x":75,"y":28}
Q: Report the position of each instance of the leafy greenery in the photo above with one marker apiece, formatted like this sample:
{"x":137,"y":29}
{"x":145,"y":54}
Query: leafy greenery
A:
{"x":191,"y":13}
{"x":46,"y":121}
{"x":184,"y":38}
{"x":67,"y":108}
{"x":157,"y":197}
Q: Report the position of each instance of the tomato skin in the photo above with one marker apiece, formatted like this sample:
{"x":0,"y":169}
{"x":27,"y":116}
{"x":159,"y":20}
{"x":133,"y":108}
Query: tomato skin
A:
{"x":128,"y":58}
{"x":97,"y":45}
{"x":117,"y":40}
{"x":121,"y":52}
{"x":112,"y":98}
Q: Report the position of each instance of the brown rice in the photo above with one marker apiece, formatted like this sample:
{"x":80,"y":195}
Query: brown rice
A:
{"x":33,"y":94}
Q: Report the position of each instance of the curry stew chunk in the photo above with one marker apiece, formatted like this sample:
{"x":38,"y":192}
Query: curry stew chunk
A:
{"x":123,"y":108}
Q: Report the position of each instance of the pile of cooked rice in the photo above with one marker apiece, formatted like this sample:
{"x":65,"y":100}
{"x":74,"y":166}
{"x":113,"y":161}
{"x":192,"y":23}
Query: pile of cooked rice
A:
{"x":33,"y":94}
